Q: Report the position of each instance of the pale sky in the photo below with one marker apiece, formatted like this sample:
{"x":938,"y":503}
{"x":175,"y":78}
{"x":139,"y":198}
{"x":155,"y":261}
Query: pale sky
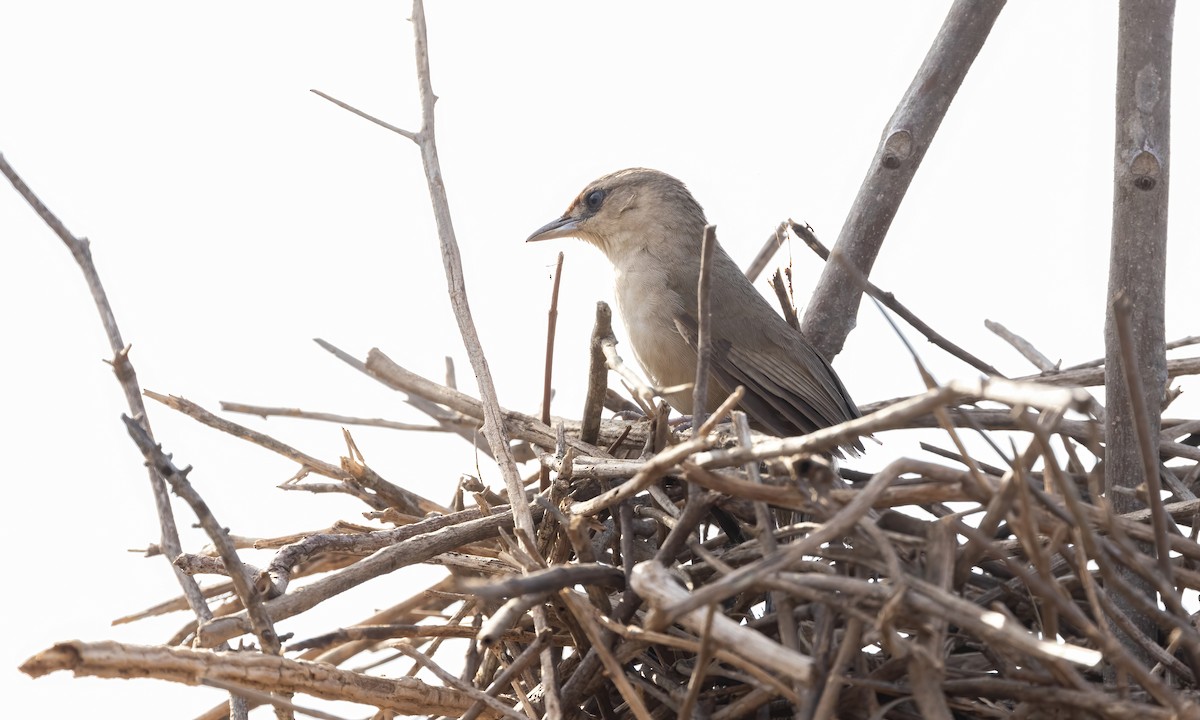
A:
{"x":234,"y":216}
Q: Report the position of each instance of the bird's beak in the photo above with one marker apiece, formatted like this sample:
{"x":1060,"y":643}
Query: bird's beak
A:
{"x":565,"y":226}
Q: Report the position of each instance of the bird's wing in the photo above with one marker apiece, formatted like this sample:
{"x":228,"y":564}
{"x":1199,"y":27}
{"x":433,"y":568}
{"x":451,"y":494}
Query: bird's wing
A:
{"x":787,"y":393}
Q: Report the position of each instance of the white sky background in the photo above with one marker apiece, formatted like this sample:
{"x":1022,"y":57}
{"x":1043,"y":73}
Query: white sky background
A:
{"x":234,"y":216}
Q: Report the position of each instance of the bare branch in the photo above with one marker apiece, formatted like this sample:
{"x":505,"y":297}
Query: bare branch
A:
{"x":253,"y":670}
{"x":123,"y":369}
{"x":1137,"y":263}
{"x":831,"y":312}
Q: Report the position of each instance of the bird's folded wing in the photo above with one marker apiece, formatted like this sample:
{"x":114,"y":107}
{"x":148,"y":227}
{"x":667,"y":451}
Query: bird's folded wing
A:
{"x":784,"y":395}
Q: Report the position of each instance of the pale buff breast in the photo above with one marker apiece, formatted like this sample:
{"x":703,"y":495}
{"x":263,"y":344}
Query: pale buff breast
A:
{"x":649,"y":318}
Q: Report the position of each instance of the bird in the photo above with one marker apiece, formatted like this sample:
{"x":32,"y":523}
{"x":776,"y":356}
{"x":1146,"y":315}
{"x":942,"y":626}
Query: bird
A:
{"x":651,"y":229}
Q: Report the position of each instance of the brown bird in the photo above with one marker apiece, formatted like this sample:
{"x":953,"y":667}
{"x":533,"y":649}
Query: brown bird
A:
{"x":651,"y":229}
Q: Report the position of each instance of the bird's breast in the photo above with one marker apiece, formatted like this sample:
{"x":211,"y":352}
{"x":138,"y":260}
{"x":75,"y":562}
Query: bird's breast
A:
{"x":649,"y":308}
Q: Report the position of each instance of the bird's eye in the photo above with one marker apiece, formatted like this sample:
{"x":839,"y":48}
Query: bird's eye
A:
{"x":593,"y":200}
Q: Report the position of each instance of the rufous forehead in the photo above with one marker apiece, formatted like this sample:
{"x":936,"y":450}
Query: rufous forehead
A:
{"x":578,"y":201}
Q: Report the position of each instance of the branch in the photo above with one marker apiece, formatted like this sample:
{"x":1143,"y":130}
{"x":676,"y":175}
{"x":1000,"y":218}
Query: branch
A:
{"x":831,"y":312}
{"x":247,"y":590}
{"x":253,"y":670}
{"x":122,"y":367}
{"x":191,"y":409}
{"x":265,"y":412}
{"x":1137,"y":261}
{"x":423,"y":541}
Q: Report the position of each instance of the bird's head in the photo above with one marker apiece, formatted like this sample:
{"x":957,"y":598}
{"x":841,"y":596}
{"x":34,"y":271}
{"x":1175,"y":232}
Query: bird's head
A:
{"x":630,"y":210}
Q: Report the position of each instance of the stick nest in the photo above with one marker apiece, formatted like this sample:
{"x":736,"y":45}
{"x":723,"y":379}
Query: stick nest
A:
{"x":713,"y":573}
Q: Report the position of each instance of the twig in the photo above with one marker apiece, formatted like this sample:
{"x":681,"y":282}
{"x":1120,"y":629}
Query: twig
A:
{"x":193,"y":564}
{"x":547,"y":581}
{"x":548,"y":382}
{"x":830,"y":693}
{"x":652,"y":581}
{"x":953,"y":392}
{"x":432,"y":599}
{"x":494,"y":428}
{"x":361,"y":544}
{"x":723,"y":410}
{"x":1145,"y":435}
{"x":704,"y":323}
{"x":746,"y":576}
{"x":700,"y":671}
{"x":265,"y":412}
{"x":452,"y":421}
{"x":127,"y":377}
{"x":475,"y":693}
{"x":589,"y":431}
{"x":654,"y":469}
{"x":889,"y":300}
{"x":643,"y":394}
{"x":520,"y":425}
{"x":196,"y":412}
{"x":417,"y":548}
{"x":785,"y":303}
{"x":1171,"y":345}
{"x":578,"y":608}
{"x":509,"y":674}
{"x":1089,"y":377}
{"x":1023,"y":346}
{"x":763,"y":258}
{"x":635,"y":634}
{"x":766,"y":535}
{"x":381,"y":123}
{"x":396,"y":497}
{"x":265,"y":698}
{"x":1082,"y":430}
{"x":81,"y":250}
{"x":1031,"y":353}
{"x":375,"y":633}
{"x":247,"y":590}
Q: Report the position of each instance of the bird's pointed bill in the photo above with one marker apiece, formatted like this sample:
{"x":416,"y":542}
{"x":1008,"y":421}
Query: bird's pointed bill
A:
{"x":565,"y":226}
